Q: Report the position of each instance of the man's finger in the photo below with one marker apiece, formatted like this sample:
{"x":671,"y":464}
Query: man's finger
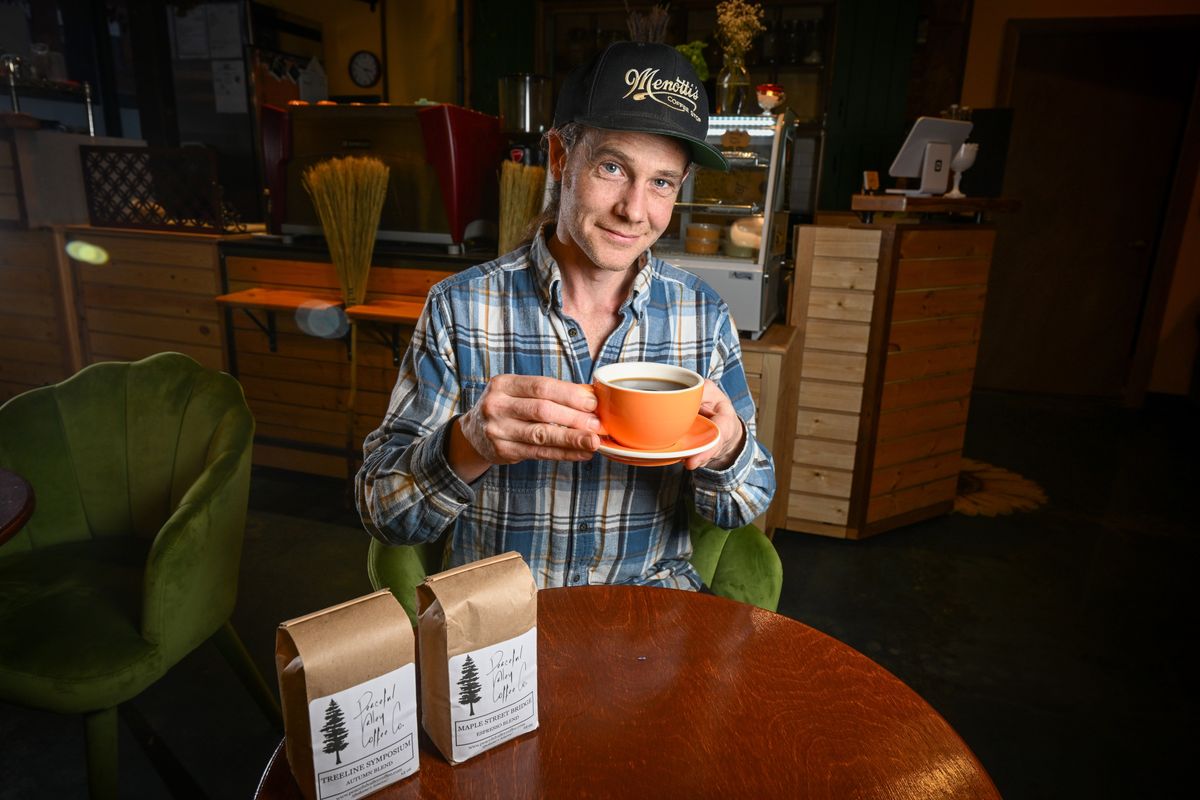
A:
{"x":548,"y":411}
{"x":576,"y":395}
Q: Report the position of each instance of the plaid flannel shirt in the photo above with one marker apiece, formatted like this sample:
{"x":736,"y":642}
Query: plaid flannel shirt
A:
{"x":575,"y":523}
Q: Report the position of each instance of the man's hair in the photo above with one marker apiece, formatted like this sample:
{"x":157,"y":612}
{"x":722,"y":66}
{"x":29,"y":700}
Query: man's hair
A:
{"x":571,"y":135}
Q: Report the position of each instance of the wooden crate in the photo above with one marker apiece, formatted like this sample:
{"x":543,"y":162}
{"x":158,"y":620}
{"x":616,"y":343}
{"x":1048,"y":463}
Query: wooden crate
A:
{"x":37,"y":336}
{"x":888,"y":317}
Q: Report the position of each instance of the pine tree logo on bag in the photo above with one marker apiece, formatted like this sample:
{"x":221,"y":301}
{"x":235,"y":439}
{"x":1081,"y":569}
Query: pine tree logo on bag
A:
{"x":468,"y":685}
{"x":335,"y":731}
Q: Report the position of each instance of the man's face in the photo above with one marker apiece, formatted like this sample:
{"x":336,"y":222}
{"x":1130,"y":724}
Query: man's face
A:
{"x":618,"y":191}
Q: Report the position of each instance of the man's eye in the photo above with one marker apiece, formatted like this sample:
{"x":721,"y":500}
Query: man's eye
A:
{"x":610,"y":168}
{"x":663,"y":183}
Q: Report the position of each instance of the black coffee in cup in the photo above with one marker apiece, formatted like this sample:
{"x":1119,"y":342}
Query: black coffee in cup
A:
{"x":649,"y":384}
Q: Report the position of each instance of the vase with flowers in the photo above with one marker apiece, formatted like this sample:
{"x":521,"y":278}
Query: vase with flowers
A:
{"x":738,"y":22}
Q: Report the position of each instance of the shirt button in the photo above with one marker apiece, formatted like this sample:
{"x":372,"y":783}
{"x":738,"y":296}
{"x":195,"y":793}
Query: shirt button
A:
{"x":572,"y":332}
{"x":575,"y":578}
{"x":583,"y":526}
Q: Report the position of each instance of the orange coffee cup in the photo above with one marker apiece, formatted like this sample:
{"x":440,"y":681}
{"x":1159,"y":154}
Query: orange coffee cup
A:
{"x":647,"y":406}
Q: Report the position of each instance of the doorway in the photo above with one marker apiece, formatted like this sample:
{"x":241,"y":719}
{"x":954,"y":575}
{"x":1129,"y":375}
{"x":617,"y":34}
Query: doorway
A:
{"x":1100,"y":110}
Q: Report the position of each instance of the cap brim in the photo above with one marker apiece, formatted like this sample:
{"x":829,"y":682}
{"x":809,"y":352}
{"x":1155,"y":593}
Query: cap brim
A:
{"x":702,"y":152}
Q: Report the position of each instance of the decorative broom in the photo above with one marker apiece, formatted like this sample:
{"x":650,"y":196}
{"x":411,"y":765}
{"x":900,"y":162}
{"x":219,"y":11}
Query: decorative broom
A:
{"x":521,"y":188}
{"x":348,"y":194}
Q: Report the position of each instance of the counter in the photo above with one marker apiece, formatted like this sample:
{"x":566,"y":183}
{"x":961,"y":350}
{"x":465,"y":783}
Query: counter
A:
{"x":889,"y":315}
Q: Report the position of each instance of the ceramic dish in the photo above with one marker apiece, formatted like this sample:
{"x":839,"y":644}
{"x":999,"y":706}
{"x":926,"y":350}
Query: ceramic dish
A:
{"x":701,"y":436}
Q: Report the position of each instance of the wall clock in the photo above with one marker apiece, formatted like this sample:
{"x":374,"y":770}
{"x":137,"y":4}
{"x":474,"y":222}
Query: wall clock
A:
{"x":364,"y":68}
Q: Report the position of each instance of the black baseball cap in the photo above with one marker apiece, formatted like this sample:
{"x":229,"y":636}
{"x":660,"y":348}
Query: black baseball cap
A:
{"x":638,"y":86}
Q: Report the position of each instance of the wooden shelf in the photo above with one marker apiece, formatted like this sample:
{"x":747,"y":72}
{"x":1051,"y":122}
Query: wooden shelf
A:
{"x":399,"y":312}
{"x":272,"y":300}
{"x":931,"y":205}
{"x":276,"y":299}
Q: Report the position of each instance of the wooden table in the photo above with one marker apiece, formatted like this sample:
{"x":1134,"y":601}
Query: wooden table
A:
{"x":656,"y":693}
{"x":16,"y":504}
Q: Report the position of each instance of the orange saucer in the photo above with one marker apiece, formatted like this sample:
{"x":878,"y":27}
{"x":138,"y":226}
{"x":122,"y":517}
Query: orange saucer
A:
{"x":703,"y":435}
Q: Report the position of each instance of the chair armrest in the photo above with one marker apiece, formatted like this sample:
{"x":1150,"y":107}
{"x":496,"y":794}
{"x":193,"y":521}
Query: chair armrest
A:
{"x":190,"y":583}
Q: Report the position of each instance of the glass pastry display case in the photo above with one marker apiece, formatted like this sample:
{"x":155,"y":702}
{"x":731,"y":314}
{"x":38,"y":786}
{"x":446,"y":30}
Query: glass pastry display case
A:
{"x":730,"y":228}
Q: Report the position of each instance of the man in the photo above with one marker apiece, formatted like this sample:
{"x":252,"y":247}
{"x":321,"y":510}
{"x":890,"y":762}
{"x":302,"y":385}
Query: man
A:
{"x":490,"y":433}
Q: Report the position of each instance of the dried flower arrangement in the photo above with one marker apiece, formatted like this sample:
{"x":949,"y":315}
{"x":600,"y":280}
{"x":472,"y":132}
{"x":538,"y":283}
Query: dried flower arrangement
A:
{"x":738,"y":22}
{"x":648,"y":26}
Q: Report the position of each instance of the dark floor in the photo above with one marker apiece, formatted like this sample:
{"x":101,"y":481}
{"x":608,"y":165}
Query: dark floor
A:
{"x":1053,"y":641}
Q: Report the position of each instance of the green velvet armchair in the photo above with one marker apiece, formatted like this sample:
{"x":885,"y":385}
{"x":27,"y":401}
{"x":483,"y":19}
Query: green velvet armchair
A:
{"x":141,"y":473}
{"x":740,"y":564}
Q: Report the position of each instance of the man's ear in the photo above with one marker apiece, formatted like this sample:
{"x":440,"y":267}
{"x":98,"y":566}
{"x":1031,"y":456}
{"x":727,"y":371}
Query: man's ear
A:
{"x":556,"y":158}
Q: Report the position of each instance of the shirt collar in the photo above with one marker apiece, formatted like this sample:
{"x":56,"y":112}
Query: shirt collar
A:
{"x":548,"y":276}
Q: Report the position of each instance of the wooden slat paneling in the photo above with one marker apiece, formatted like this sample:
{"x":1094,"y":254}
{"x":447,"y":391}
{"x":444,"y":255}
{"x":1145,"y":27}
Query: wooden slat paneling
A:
{"x":929,"y":494}
{"x":931,"y":333}
{"x":821,"y":480}
{"x":920,"y":445}
{"x":141,"y":249}
{"x":165,"y":304}
{"x":929,"y":390}
{"x":919,"y":242}
{"x":926,"y":363}
{"x":845,"y":273}
{"x":821,"y":453}
{"x":843,"y":337}
{"x":914,"y":473}
{"x":827,"y":425}
{"x":821,"y":509}
{"x":908,"y":421}
{"x":926,"y":303}
{"x":146,"y":326}
{"x":151,"y":276}
{"x":847,"y":306}
{"x":846,"y":243}
{"x":933,"y":273}
{"x":110,"y":347}
{"x":829,"y":366}
{"x":833,"y":396}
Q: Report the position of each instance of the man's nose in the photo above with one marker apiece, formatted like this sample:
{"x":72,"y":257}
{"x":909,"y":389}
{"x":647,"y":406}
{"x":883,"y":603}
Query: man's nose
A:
{"x":632,"y":204}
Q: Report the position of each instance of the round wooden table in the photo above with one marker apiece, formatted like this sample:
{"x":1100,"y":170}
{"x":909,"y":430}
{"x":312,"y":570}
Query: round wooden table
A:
{"x":16,"y":504}
{"x":657,"y":693}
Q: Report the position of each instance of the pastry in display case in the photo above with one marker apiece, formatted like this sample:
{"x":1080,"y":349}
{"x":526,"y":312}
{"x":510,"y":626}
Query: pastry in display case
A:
{"x":730,"y":228}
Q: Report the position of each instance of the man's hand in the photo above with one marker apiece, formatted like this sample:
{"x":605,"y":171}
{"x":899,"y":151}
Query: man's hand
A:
{"x":520,"y":417}
{"x":716,"y":406}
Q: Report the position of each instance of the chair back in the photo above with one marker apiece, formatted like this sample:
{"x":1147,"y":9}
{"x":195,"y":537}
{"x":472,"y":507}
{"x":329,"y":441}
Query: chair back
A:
{"x":112,"y":450}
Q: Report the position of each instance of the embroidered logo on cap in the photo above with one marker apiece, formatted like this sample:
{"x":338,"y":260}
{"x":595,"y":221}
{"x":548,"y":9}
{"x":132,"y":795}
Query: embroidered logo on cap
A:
{"x":677,"y":94}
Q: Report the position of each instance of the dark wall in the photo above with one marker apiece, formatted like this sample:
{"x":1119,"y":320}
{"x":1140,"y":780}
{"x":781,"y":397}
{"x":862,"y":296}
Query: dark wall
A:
{"x":868,"y":99}
{"x":502,"y":43}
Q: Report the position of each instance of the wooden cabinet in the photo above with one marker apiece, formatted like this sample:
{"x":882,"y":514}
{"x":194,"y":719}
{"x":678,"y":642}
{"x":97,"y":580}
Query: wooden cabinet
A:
{"x":771,"y":363}
{"x":888,"y":318}
{"x":152,"y":292}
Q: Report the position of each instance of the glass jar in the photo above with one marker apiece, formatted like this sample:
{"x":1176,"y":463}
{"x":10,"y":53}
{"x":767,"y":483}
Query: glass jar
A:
{"x":734,"y":94}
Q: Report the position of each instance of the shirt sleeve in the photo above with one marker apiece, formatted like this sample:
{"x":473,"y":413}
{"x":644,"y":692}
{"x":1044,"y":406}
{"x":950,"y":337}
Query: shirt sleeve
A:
{"x":406,"y":491}
{"x":735,"y":496}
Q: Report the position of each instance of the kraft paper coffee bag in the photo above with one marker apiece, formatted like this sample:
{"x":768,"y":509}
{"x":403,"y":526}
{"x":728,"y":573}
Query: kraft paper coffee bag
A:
{"x":478,"y":630}
{"x":347,"y":682}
